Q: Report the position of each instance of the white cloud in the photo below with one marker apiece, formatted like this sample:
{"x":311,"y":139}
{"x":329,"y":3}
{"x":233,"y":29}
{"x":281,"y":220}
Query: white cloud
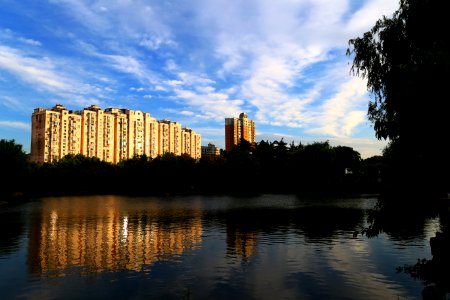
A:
{"x":135,"y":89}
{"x":11,"y":103}
{"x":282,"y":61}
{"x":186,"y":113}
{"x":137,"y":21}
{"x":39,"y":71}
{"x":8,"y":34}
{"x":15,"y":124}
{"x":159,"y":88}
{"x":212,"y":106}
{"x":365,"y":18}
{"x":47,"y":75}
{"x":342,"y":113}
{"x":127,"y":64}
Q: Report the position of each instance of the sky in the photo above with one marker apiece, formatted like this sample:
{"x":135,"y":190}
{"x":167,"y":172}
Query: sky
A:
{"x":196,"y":62}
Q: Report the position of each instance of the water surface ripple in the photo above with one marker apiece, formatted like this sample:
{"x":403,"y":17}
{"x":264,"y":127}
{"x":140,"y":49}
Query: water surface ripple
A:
{"x":199,"y":247}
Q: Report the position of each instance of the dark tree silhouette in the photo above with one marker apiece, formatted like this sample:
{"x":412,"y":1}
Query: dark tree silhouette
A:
{"x":14,"y":166}
{"x":406,"y":60}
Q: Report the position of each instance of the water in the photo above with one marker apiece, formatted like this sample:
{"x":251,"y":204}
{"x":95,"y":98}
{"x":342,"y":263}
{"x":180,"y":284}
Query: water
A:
{"x":267,"y":247}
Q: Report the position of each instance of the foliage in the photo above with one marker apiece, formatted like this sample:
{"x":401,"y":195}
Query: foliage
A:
{"x":406,"y":61}
{"x":407,"y":64}
{"x":264,"y":167}
{"x":14,"y":166}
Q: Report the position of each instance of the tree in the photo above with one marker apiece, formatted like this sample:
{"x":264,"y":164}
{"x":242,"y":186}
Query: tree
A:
{"x":406,"y":61}
{"x":14,"y":166}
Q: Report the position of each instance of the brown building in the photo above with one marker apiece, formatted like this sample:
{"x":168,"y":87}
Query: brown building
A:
{"x":237,"y":129}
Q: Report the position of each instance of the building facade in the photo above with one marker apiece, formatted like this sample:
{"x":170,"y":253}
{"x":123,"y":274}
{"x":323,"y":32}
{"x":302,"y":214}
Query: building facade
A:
{"x":111,"y":135}
{"x":210,"y":151}
{"x":237,"y":129}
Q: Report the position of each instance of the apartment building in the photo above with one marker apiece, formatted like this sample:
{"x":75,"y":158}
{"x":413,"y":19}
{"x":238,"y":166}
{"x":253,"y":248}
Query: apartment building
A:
{"x":210,"y":151}
{"x":54,"y":134}
{"x":191,"y":143}
{"x":170,"y":137}
{"x":237,"y":129}
{"x":111,"y":135}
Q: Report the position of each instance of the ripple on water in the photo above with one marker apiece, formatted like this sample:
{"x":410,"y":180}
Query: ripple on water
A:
{"x":267,"y":247}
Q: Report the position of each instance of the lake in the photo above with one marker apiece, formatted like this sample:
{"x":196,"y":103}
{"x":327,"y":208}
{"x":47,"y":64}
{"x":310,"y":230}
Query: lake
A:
{"x":206,"y":247}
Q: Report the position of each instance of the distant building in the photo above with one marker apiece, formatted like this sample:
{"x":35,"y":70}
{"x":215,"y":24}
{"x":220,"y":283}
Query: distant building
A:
{"x":237,"y":129}
{"x":112,"y":134}
{"x":210,"y":151}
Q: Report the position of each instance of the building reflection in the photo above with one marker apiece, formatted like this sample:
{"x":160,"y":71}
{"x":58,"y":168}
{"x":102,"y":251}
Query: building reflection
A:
{"x":241,"y":236}
{"x":241,"y":243}
{"x":109,"y":234}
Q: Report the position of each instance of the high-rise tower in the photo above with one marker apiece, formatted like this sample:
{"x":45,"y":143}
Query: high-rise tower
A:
{"x":237,"y":129}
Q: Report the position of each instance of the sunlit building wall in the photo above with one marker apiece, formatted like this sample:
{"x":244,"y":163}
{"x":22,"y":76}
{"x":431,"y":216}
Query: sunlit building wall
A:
{"x":92,"y":132}
{"x":163,"y":137}
{"x":55,"y":133}
{"x":186,"y":141}
{"x":196,"y":145}
{"x":136,"y":132}
{"x":111,"y":135}
{"x":237,"y":129}
{"x":108,"y":137}
{"x":210,"y":151}
{"x":171,"y":136}
{"x":151,"y":136}
{"x":191,"y":143}
{"x":120,"y":134}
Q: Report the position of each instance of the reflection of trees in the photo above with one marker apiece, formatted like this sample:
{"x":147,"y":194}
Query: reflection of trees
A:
{"x":11,"y":229}
{"x":314,"y":222}
{"x":108,"y":234}
{"x":434,"y":272}
{"x":324,"y":222}
{"x":399,"y":219}
{"x":402,"y":221}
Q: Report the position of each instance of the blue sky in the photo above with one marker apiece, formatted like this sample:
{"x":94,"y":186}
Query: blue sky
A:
{"x":196,"y":62}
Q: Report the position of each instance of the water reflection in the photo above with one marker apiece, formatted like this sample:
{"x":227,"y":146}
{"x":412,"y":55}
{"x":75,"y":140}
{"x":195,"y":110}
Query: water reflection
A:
{"x":91,"y":235}
{"x":241,"y":240}
{"x":12,"y":227}
{"x":272,"y":246}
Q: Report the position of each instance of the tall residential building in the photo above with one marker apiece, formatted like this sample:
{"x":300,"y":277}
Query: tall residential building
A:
{"x":92,"y":132}
{"x":151,"y":137}
{"x":111,"y":135}
{"x":191,"y":143}
{"x":55,"y":133}
{"x":237,"y":129}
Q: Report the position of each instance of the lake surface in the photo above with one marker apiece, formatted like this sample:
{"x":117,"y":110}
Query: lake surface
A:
{"x":200,"y":247}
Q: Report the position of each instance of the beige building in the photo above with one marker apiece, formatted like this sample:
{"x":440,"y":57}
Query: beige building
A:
{"x":191,"y":143}
{"x":210,"y":151}
{"x":55,"y":133}
{"x":237,"y":129}
{"x":111,"y":135}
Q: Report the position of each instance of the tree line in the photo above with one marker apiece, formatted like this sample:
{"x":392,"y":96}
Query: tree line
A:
{"x":264,"y":167}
